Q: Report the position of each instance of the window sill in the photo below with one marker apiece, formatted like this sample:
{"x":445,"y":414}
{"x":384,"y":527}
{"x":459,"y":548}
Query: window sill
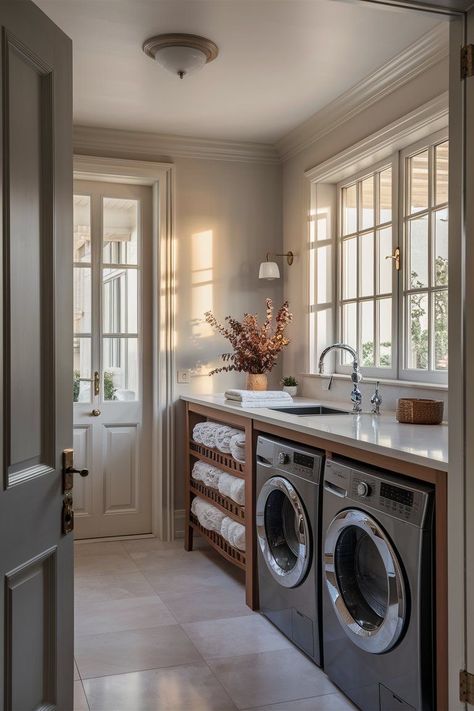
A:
{"x":386,"y":381}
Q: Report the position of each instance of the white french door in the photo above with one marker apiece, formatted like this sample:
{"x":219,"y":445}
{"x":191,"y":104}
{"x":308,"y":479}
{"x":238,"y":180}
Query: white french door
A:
{"x":112,"y":379}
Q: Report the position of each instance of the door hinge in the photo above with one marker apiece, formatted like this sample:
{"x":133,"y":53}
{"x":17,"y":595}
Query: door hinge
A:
{"x":467,"y":61}
{"x":466,"y":687}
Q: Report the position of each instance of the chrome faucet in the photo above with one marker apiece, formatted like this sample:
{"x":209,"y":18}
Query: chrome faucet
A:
{"x":356,"y":377}
{"x":376,"y":399}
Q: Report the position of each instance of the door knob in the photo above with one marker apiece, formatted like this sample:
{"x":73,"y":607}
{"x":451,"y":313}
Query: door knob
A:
{"x":95,"y":413}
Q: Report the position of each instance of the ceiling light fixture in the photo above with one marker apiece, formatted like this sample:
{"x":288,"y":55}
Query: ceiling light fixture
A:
{"x":181,"y":54}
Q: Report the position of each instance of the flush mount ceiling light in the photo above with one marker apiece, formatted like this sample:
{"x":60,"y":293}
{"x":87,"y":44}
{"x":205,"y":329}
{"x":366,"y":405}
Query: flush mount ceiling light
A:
{"x":181,"y":54}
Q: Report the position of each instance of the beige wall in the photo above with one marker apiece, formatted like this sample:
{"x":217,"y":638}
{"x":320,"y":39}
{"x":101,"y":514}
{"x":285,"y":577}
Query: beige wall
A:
{"x":228,"y":215}
{"x":296,"y":199}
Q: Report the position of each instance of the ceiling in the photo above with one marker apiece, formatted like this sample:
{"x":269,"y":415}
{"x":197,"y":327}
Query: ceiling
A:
{"x":280,"y":61}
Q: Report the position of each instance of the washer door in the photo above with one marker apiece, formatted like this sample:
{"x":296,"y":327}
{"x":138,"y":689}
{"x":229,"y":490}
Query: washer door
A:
{"x":283,"y":532}
{"x":365,"y":581}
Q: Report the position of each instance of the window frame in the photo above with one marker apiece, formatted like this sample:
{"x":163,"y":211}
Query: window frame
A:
{"x":429,"y":142}
{"x":398,"y":160}
{"x":368,"y":371}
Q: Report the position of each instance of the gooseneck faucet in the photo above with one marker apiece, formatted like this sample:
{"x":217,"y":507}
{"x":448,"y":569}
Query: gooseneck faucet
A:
{"x":356,"y":377}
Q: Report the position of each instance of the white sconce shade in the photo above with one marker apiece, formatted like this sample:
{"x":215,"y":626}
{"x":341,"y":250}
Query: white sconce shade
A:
{"x":269,"y":270}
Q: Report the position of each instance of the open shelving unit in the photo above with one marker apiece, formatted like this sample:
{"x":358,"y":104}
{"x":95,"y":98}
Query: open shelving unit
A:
{"x":244,"y":515}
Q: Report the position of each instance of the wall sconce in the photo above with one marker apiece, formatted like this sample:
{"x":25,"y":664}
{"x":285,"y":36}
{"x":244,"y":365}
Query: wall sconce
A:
{"x":269,"y":270}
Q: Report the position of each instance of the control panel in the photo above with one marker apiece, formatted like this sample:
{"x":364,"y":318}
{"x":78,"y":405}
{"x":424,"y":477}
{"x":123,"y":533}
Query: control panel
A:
{"x":284,"y":457}
{"x":381,"y":491}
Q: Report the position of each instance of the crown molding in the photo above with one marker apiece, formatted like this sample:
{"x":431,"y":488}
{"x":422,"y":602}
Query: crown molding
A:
{"x":430,"y":49}
{"x":154,"y":146}
{"x":426,"y":119}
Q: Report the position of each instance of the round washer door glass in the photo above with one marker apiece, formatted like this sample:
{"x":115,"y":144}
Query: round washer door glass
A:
{"x":365,"y":581}
{"x":283,"y":532}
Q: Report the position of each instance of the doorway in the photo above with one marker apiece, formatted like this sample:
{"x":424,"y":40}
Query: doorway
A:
{"x":112,"y":350}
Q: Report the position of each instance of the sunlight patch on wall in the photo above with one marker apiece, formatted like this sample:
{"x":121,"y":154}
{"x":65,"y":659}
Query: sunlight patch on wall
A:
{"x":202,"y":297}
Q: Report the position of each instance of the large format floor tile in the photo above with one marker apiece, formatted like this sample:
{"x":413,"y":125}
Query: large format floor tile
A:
{"x":93,"y":565}
{"x":270,"y":677}
{"x":119,"y":615}
{"x":190,"y":575}
{"x":150,"y":615}
{"x":133,"y":650}
{"x":212,"y":603}
{"x":235,"y":636}
{"x":110,"y":586}
{"x":186,"y":688}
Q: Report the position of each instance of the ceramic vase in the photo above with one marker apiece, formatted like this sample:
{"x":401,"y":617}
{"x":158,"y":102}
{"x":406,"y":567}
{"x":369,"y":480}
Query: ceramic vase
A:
{"x":256,"y":381}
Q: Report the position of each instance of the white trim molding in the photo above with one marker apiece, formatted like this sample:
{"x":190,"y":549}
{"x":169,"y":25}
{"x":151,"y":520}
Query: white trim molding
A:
{"x":426,"y":119}
{"x":160,"y":176}
{"x":423,"y":54}
{"x":88,"y":139}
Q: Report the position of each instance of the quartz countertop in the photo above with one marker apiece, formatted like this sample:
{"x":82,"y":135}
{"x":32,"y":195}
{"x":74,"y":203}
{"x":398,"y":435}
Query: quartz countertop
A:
{"x":426,"y":445}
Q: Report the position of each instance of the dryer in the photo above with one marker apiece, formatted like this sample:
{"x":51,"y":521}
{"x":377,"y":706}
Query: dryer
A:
{"x":378,"y":587}
{"x":288,"y":533}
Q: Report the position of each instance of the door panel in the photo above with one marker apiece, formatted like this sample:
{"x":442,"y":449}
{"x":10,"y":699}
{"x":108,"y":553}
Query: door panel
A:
{"x":121,"y":469}
{"x":112,"y":357}
{"x":36,"y":559}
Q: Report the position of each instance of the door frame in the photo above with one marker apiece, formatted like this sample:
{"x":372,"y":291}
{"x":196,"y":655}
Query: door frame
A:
{"x":161,"y":178}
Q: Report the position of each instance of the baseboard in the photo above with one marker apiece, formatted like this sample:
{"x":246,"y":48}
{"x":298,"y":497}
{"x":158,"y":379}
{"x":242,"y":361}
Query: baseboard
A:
{"x":179,"y":523}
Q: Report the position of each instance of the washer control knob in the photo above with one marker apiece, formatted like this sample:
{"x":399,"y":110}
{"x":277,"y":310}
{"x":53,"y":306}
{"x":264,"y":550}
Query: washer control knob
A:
{"x":363,"y":489}
{"x":283,"y":458}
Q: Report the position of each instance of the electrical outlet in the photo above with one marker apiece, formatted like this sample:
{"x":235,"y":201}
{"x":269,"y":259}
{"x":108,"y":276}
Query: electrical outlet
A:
{"x":184,"y":376}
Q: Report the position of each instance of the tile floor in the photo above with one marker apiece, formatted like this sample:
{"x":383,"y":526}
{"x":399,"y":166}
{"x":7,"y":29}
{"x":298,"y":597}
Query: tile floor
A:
{"x":159,"y":629}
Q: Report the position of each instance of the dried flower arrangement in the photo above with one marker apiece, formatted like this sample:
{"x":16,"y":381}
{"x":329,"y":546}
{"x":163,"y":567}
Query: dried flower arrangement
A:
{"x":256,"y":347}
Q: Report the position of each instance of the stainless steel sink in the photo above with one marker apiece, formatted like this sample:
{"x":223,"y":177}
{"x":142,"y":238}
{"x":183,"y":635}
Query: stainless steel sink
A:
{"x":303,"y":410}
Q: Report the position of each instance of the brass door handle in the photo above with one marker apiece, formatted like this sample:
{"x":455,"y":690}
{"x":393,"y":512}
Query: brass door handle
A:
{"x":395,"y":257}
{"x":95,"y":413}
{"x":95,"y":380}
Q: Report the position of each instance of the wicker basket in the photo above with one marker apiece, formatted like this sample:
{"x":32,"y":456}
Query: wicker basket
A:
{"x":420,"y":411}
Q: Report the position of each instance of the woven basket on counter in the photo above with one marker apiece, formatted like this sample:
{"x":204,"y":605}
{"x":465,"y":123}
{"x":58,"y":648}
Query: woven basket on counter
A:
{"x":420,"y":411}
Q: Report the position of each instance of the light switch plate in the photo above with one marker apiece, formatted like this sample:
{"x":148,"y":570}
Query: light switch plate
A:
{"x":184,"y":376}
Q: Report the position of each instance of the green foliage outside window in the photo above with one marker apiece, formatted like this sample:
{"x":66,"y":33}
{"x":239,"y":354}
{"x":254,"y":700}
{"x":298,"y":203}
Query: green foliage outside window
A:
{"x":419,"y":335}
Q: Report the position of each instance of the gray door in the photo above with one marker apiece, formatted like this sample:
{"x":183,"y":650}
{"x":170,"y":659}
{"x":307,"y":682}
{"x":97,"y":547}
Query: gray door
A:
{"x":36,"y":558}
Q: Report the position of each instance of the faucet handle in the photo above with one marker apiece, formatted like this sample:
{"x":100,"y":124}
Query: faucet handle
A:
{"x":376,"y":399}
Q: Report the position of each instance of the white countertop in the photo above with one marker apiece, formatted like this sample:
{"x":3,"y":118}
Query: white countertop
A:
{"x":420,"y":444}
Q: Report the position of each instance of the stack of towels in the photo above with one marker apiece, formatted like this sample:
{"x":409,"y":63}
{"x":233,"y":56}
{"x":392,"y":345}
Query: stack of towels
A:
{"x":226,"y":484}
{"x":214,"y":520}
{"x":259,"y":398}
{"x":222,"y":437}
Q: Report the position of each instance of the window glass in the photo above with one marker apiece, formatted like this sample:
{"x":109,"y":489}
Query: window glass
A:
{"x":365,"y":273}
{"x":418,"y":181}
{"x":120,"y":231}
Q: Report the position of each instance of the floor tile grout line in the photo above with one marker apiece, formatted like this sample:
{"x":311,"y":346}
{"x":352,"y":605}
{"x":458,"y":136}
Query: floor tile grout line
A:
{"x":301,"y":698}
{"x":213,"y":674}
{"x":148,"y":669}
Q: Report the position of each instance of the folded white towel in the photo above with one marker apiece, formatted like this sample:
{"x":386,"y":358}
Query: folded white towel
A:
{"x":272,"y":402}
{"x":223,"y":436}
{"x":237,"y":447}
{"x":252,"y":395}
{"x":233,"y":487}
{"x":208,"y":516}
{"x":233,"y":532}
{"x":206,"y":473}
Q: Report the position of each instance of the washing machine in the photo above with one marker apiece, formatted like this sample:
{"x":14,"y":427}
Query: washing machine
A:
{"x":288,"y":507}
{"x":378,"y":587}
